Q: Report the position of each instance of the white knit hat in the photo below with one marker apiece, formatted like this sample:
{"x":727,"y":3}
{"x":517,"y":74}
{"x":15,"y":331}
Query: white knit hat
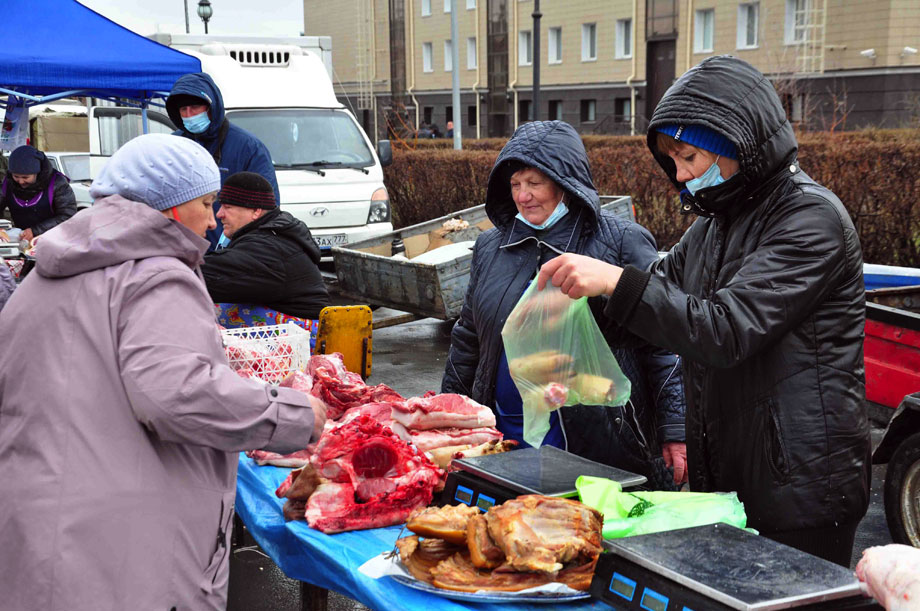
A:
{"x":159,"y":170}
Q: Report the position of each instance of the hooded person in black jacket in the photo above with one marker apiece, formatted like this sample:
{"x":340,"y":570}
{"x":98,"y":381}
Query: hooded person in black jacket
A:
{"x":271,"y":260}
{"x":37,"y":196}
{"x":763,"y":299}
{"x":543,"y":163}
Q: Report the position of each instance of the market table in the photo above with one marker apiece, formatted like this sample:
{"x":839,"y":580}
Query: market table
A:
{"x":332,"y":561}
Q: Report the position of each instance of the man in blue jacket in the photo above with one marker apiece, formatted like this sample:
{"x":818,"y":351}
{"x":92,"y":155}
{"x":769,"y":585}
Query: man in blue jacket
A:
{"x":196,"y":106}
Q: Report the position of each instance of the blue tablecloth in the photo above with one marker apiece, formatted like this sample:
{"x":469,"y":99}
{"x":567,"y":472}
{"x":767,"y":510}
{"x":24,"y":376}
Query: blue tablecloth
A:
{"x":332,"y":561}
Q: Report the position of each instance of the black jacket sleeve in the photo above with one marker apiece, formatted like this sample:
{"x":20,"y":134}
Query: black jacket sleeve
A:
{"x":64,"y":206}
{"x":463,"y":354}
{"x":243,"y":274}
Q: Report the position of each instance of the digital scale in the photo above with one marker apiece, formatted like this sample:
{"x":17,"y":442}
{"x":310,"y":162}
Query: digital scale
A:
{"x":484,"y":481}
{"x":718,"y":567}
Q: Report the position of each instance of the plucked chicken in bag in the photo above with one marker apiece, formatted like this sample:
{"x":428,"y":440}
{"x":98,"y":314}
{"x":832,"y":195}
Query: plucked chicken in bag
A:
{"x":558,"y":356}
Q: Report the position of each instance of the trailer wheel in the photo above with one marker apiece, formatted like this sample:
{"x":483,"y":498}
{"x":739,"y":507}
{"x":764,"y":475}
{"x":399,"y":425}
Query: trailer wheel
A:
{"x":902,"y":492}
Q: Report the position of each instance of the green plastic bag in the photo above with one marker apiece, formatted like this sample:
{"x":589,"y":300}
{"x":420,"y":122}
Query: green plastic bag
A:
{"x":643,"y":512}
{"x":558,"y":356}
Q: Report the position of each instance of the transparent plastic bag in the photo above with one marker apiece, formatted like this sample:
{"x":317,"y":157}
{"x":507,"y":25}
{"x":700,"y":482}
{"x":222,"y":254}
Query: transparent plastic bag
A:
{"x":558,"y":356}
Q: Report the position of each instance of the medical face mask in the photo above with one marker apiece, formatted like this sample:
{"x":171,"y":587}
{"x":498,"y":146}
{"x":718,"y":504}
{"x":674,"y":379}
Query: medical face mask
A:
{"x":198,"y":123}
{"x":710,"y":178}
{"x":560,"y":211}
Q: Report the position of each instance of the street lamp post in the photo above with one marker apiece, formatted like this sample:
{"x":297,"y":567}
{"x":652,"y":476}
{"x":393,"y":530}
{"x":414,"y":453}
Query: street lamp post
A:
{"x":186,"y":16}
{"x":205,"y":11}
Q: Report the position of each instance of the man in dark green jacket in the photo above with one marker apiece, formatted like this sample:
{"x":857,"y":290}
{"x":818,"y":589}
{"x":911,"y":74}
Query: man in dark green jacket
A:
{"x":763,"y":299}
{"x":271,"y":260}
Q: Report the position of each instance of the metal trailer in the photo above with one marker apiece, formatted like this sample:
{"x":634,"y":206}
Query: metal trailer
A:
{"x":367,"y":271}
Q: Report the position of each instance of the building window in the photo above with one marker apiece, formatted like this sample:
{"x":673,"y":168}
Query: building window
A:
{"x":448,"y":56}
{"x":427,"y":112}
{"x":704,"y":23}
{"x":797,"y":20}
{"x":426,"y":57}
{"x":555,"y":45}
{"x":623,"y":43}
{"x":471,"y":116}
{"x":426,"y":8}
{"x":622,"y":108}
{"x":525,"y":48}
{"x":588,"y":111}
{"x":472,"y":58}
{"x":446,"y":6}
{"x":555,"y":110}
{"x":588,"y":42}
{"x":748,"y":24}
{"x":525,"y":110}
{"x":470,"y":4}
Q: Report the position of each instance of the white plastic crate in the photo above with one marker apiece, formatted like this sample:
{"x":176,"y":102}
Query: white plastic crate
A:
{"x":268,"y":352}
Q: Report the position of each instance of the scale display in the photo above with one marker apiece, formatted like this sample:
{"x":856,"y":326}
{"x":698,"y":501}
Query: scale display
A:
{"x":546,"y":470}
{"x":719,"y":567}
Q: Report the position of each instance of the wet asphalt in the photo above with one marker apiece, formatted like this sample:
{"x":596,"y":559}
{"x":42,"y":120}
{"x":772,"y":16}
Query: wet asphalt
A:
{"x":410,"y":358}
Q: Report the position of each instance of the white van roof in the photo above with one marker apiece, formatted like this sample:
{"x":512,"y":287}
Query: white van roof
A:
{"x":267,"y":75}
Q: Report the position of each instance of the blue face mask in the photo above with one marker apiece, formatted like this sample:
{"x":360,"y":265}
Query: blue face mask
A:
{"x":560,"y":211}
{"x":710,"y":178}
{"x":198,"y":123}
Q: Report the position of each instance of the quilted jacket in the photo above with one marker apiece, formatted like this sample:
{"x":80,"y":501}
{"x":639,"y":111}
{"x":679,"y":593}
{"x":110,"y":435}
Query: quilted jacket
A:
{"x":763,"y":298}
{"x":506,"y":259}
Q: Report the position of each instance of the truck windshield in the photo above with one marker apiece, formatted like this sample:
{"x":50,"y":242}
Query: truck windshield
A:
{"x":307,"y":137}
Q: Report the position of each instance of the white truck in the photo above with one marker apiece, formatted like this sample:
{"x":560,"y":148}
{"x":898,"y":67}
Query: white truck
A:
{"x":329,"y":173}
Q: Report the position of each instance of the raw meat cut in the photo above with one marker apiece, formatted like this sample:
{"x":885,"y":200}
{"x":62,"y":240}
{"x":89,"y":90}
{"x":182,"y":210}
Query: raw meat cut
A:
{"x":438,"y":438}
{"x":542,"y":533}
{"x":378,"y":411}
{"x":341,"y":389}
{"x":375,"y":478}
{"x":332,"y":508}
{"x":294,"y":459}
{"x":299,"y":484}
{"x":891,"y":575}
{"x":442,"y":411}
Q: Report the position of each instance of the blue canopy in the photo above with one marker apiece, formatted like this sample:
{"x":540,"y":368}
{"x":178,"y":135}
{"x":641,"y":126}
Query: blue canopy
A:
{"x":57,"y":47}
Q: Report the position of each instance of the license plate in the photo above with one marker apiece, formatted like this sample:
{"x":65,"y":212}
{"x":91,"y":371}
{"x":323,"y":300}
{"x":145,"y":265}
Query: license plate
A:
{"x":330,"y":240}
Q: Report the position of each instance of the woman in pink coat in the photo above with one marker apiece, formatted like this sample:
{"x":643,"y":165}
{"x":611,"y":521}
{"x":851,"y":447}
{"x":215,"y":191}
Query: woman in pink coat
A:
{"x":120,"y":419}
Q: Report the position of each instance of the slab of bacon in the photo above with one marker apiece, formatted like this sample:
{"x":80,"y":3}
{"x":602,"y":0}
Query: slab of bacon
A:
{"x":442,"y":411}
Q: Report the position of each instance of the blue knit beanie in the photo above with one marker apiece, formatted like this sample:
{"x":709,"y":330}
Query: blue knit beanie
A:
{"x":26,"y":160}
{"x":159,"y":170}
{"x":701,"y":137}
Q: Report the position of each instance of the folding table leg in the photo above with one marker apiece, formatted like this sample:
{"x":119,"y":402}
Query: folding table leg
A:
{"x":313,"y":598}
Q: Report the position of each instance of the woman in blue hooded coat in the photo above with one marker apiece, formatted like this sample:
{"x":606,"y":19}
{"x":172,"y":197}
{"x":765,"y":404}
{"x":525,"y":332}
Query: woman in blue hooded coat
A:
{"x":543,"y":163}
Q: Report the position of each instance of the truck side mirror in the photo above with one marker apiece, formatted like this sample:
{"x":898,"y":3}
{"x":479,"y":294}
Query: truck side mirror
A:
{"x":384,"y":152}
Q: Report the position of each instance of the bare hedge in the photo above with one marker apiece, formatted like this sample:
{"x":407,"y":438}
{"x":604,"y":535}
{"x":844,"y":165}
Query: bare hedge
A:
{"x":875,"y":174}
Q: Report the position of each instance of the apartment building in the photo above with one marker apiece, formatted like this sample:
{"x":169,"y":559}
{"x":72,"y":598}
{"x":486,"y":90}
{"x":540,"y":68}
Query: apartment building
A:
{"x":604,"y":64}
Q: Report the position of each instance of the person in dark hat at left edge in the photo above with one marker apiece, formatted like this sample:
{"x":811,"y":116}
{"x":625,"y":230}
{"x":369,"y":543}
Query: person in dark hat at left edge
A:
{"x":37,"y":196}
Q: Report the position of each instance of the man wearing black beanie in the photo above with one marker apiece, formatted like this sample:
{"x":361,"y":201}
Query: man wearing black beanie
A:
{"x":38,"y":196}
{"x":271,"y":260}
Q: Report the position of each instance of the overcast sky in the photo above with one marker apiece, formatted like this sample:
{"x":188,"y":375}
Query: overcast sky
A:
{"x":255,"y":17}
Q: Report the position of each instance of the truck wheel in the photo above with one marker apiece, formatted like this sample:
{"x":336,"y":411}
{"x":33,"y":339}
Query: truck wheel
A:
{"x":902,"y":492}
